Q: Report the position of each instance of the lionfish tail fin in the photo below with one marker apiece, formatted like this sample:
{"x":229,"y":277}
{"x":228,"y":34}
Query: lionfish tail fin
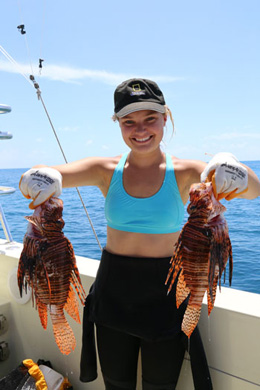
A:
{"x":63,"y":333}
{"x":190,"y":319}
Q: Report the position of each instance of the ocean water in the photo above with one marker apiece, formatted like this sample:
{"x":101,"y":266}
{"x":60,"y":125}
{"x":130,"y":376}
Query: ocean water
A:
{"x":243,"y":217}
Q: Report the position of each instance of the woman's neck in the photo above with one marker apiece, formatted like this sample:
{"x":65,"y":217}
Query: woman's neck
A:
{"x":144,"y":160}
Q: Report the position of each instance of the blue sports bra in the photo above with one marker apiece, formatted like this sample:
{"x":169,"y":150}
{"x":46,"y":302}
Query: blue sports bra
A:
{"x":160,"y":213}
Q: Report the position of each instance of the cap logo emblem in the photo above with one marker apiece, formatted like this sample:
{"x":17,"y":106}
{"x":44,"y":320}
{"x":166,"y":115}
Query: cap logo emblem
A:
{"x":136,"y":90}
{"x":136,"y":87}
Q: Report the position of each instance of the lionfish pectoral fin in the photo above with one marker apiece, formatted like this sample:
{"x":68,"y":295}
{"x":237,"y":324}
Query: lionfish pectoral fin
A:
{"x":63,"y":333}
{"x":171,"y":269}
{"x":32,"y":219}
{"x":43,"y":314}
{"x":72,"y":306}
{"x":35,"y":221}
{"x":76,"y":281}
{"x":190,"y":319}
{"x":174,"y":271}
{"x":176,"y":263}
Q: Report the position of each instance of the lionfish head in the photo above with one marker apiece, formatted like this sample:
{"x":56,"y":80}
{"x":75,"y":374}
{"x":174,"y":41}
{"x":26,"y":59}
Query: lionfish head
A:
{"x":52,"y":208}
{"x":202,"y":200}
{"x":50,"y":213}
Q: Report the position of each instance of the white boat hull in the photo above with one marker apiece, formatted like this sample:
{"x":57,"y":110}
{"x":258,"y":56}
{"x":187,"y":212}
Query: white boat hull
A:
{"x":231,"y":337}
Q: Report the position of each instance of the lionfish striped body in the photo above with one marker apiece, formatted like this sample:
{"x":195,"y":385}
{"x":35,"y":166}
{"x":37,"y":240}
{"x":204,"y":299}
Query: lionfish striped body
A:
{"x":48,"y":266}
{"x":201,"y":254}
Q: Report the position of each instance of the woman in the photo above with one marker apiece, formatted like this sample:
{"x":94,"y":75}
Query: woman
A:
{"x":145,"y":192}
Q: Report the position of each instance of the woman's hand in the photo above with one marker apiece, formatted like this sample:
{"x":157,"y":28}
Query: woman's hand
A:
{"x":229,"y":177}
{"x":40,"y":184}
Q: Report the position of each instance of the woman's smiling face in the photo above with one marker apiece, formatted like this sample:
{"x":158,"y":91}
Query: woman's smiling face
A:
{"x":143,"y":130}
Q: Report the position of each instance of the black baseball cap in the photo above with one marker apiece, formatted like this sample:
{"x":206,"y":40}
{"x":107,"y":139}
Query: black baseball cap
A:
{"x":136,"y":95}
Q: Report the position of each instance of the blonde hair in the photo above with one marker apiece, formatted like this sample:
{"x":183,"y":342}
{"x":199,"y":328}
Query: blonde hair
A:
{"x":167,"y":112}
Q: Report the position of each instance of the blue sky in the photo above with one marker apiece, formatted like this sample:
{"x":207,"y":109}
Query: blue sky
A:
{"x":205,"y":55}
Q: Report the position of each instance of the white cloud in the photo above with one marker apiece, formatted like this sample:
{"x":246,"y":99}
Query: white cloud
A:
{"x":70,"y":129}
{"x":243,"y":144}
{"x":233,"y":136}
{"x":69,"y":74}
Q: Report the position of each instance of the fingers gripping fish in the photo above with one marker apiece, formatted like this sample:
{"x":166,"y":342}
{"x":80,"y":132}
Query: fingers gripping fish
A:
{"x":48,"y":266}
{"x":201,"y":254}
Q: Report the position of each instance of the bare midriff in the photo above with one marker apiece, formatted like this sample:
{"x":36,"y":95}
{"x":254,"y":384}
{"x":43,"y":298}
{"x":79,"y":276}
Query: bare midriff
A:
{"x":140,"y":244}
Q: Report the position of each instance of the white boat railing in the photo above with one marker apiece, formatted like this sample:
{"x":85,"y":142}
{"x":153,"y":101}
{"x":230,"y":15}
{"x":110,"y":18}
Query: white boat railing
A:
{"x":5,"y":191}
{"x":5,"y":135}
{"x":5,"y":226}
{"x":4,"y":109}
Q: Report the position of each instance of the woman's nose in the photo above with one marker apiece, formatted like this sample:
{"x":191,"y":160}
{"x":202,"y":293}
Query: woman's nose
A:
{"x":140,"y":127}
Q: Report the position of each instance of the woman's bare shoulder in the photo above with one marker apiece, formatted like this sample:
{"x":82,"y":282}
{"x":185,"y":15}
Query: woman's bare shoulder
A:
{"x":189,"y":166}
{"x":109,"y":163}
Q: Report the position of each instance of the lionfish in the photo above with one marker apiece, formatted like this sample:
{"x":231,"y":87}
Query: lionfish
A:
{"x":200,"y":255}
{"x":48,"y":266}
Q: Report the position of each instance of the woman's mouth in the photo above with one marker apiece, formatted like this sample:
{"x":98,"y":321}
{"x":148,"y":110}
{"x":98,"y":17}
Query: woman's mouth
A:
{"x":142,"y":140}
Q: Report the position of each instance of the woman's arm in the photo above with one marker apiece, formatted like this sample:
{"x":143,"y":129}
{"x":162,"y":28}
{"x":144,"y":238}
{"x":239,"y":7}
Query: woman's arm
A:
{"x":193,"y":171}
{"x":90,"y":171}
{"x":41,"y":182}
{"x":253,"y":185}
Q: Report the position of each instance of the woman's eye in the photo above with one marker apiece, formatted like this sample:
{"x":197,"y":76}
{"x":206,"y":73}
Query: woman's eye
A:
{"x":151,"y":119}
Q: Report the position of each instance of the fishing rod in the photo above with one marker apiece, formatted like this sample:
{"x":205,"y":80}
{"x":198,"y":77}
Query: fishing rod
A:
{"x":38,"y":91}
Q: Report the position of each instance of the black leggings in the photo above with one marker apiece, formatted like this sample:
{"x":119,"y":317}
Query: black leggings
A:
{"x":161,"y":361}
